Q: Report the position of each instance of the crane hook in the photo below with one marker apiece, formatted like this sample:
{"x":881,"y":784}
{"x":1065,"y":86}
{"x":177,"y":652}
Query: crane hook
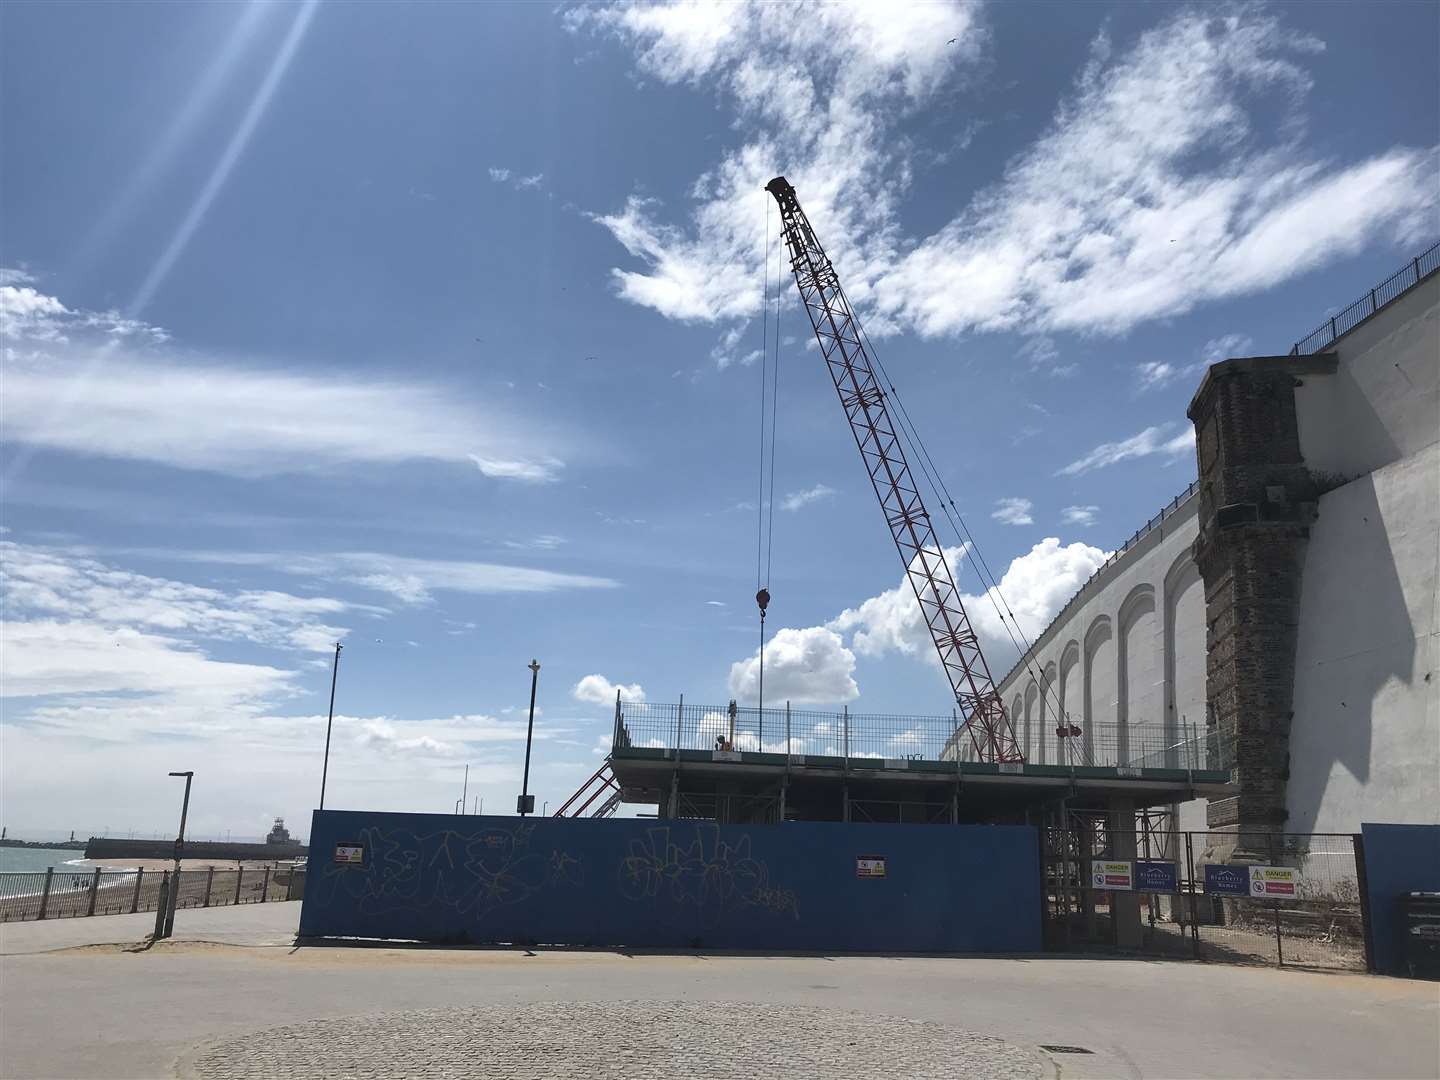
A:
{"x":763,"y":599}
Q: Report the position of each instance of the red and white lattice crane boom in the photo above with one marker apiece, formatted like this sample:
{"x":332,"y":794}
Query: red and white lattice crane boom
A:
{"x":843,"y":348}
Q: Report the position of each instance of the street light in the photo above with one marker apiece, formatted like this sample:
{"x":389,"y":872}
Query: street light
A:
{"x":179,"y":853}
{"x":526,"y":803}
{"x":325,"y":768}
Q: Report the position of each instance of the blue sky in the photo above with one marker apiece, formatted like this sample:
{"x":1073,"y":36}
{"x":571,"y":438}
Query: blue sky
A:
{"x":432,"y":329}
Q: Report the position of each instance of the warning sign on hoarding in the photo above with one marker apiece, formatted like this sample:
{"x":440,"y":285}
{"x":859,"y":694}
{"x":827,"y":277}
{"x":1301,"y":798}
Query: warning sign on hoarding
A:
{"x":1222,"y":880}
{"x":1112,"y":875}
{"x":870,"y":866}
{"x":350,"y":854}
{"x":1277,"y":881}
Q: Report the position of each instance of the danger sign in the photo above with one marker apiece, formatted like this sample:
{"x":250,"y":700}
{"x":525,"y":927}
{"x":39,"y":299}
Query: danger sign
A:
{"x":1112,"y":875}
{"x":1278,"y":881}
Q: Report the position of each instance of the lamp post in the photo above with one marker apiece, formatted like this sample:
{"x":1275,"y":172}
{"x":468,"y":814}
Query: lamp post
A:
{"x":526,"y":802}
{"x":179,"y":853}
{"x":325,"y":768}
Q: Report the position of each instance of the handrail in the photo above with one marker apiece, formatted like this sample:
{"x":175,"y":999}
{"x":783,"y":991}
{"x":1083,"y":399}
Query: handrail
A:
{"x":1383,"y":295}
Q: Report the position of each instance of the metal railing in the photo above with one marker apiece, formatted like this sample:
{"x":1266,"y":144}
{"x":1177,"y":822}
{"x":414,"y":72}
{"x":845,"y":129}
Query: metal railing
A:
{"x":901,"y":737}
{"x":65,"y":894}
{"x":1388,"y":291}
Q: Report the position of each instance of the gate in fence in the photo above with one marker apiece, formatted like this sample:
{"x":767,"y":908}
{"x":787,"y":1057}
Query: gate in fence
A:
{"x":1271,"y":898}
{"x":64,"y":894}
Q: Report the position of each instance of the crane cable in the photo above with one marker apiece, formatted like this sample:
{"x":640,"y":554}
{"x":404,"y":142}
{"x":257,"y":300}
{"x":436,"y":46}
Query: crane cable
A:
{"x":958,"y":525}
{"x":769,"y":383}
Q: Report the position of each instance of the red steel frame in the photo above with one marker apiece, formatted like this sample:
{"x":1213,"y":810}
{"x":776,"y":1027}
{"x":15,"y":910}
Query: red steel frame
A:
{"x":863,"y":399}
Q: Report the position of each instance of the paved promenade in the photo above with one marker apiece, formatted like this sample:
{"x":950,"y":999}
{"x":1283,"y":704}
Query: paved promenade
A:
{"x":255,"y":1006}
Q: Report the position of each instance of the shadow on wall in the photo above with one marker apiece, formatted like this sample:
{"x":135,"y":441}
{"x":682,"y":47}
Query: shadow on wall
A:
{"x":1355,"y":637}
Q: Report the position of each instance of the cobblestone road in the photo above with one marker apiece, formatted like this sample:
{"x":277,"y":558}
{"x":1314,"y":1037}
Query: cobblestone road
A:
{"x":634,"y":1040}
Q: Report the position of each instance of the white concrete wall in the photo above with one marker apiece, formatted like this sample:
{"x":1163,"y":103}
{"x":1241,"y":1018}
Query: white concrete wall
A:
{"x":1129,"y":649}
{"x":1365,"y":740}
{"x":1383,"y":402}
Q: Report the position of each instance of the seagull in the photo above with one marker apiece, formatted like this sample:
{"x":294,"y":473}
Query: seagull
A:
{"x":951,"y":41}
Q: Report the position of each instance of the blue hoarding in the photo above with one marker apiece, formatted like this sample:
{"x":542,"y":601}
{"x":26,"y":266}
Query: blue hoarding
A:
{"x":669,"y":884}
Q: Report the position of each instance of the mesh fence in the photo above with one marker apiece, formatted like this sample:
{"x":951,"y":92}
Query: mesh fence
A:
{"x":70,"y":894}
{"x":897,"y":737}
{"x":1196,"y":895}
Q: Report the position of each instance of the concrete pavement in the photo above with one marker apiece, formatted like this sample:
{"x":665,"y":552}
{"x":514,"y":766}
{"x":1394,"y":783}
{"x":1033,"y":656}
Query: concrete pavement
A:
{"x":246,"y":924}
{"x":188,"y":1008}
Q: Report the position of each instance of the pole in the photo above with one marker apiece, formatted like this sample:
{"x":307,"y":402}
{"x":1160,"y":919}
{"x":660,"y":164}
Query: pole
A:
{"x":329,"y":723}
{"x":465,"y":790}
{"x":525,"y":805}
{"x":179,"y":851}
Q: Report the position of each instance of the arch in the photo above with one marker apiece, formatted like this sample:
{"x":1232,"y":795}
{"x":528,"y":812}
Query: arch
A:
{"x":1032,"y":693}
{"x":1098,"y":695}
{"x":1184,"y":654}
{"x":1069,"y":693}
{"x":1137,"y":675}
{"x":1047,"y":711}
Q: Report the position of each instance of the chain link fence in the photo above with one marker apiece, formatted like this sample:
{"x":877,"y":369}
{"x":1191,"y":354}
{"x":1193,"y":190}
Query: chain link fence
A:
{"x":1266,"y":898}
{"x":66,"y":894}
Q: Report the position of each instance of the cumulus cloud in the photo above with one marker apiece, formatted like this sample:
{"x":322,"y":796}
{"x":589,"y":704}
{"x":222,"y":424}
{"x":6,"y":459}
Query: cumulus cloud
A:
{"x":806,"y":667}
{"x":1013,"y":511}
{"x":1034,"y":587}
{"x":795,"y":500}
{"x":94,"y":383}
{"x":598,"y":690}
{"x":1151,"y":441}
{"x":1174,"y":171}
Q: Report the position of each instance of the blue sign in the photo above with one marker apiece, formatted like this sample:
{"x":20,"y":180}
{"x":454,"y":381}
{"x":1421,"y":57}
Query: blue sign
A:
{"x":1156,"y":877}
{"x":1227,"y":880}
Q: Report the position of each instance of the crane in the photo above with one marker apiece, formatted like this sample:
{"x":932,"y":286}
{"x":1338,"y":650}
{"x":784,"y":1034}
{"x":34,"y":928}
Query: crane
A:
{"x":843,"y":347}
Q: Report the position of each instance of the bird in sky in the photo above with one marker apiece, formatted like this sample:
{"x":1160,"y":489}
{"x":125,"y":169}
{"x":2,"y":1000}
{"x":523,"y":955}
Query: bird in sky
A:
{"x":951,"y":41}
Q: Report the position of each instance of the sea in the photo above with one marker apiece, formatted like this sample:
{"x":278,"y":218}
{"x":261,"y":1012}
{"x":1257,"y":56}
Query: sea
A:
{"x":34,"y":859}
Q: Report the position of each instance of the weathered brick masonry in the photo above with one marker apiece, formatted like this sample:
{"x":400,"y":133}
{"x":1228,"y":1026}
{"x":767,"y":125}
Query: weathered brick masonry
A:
{"x":1257,"y":500}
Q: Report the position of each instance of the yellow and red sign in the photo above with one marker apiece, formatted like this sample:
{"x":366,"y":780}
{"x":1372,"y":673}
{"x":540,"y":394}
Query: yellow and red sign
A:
{"x":1274,"y":881}
{"x":1112,"y":875}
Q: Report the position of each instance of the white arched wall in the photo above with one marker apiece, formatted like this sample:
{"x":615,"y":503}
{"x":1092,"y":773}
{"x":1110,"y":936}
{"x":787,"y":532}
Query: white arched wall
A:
{"x":1032,"y":693}
{"x":1137,"y":682}
{"x":1099,"y":693}
{"x":1045,"y":727}
{"x":1070,"y":691}
{"x":1130,"y":644}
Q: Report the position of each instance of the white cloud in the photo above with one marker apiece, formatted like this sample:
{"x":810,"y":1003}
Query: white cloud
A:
{"x":1148,"y":442}
{"x":805,"y":667}
{"x":1174,"y":172}
{"x":598,"y":690}
{"x":1226,"y":346}
{"x":408,"y":579}
{"x":797,"y":499}
{"x":73,"y":585}
{"x":1035,"y":586}
{"x":820,"y":89}
{"x":1013,"y":511}
{"x":1079,"y":515}
{"x":518,"y":181}
{"x":1154,"y":374}
{"x":95,"y":384}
